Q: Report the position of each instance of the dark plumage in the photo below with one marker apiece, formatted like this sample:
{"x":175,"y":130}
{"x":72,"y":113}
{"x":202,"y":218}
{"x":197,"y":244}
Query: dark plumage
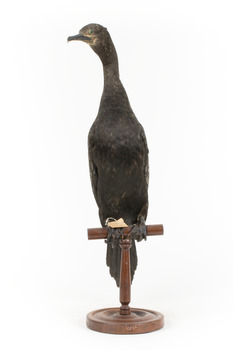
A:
{"x":118,"y":152}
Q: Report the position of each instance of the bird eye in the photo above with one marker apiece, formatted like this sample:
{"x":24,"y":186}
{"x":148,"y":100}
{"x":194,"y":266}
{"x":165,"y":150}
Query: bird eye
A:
{"x":90,"y":31}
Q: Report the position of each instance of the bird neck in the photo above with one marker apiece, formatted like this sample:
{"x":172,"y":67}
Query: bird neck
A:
{"x":108,"y":56}
{"x":111,"y":73}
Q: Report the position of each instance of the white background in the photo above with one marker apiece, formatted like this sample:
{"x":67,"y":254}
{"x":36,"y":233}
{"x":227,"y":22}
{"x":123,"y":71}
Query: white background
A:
{"x":176,"y":65}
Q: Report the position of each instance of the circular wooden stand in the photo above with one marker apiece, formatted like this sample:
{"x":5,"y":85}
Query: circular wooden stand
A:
{"x":137,"y":322}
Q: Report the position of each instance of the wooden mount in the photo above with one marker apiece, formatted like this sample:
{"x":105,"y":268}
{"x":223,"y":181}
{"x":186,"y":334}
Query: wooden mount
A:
{"x":124,"y":320}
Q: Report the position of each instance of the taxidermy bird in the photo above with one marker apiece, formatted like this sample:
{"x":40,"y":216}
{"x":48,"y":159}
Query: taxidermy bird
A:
{"x":118,"y":154}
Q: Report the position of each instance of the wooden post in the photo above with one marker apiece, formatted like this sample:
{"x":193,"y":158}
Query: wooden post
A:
{"x":125,"y":276}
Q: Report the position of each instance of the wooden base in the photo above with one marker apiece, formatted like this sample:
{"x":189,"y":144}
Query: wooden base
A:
{"x":110,"y":321}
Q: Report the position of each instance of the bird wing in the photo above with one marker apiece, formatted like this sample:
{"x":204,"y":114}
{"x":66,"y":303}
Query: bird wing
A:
{"x":146,"y":151}
{"x":94,"y":177}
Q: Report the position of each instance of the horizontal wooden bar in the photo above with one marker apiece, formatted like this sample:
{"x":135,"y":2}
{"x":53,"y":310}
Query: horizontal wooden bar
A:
{"x":102,"y":232}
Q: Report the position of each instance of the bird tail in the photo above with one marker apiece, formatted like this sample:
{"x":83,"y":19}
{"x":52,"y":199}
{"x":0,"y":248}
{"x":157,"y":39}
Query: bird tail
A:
{"x":113,"y":259}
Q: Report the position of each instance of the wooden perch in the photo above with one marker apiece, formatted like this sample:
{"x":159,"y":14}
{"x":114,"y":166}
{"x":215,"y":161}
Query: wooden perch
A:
{"x":102,"y":232}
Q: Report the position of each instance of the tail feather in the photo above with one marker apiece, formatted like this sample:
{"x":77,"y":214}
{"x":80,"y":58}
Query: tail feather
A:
{"x":113,"y":260}
{"x":133,"y":259}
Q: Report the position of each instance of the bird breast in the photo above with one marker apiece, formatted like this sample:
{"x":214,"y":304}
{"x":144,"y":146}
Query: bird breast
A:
{"x":119,"y":141}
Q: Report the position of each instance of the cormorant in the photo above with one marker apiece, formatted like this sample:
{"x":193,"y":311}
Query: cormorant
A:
{"x":118,"y":153}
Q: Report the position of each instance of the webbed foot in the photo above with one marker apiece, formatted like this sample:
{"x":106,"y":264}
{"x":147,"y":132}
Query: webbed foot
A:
{"x":139,"y":230}
{"x":113,"y":235}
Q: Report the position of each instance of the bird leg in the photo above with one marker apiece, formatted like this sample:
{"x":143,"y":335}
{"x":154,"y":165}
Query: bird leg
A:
{"x":114,"y":234}
{"x":139,"y":230}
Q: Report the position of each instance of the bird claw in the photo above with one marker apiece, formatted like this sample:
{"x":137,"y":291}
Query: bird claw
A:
{"x":139,"y":232}
{"x":113,"y":235}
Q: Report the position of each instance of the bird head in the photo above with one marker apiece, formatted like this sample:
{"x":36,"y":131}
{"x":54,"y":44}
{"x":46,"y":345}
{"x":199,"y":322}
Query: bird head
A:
{"x":98,"y":38}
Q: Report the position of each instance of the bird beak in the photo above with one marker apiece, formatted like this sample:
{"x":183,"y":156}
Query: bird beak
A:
{"x":78,"y":37}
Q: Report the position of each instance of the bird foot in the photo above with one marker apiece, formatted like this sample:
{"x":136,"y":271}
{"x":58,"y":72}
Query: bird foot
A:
{"x":139,"y":232}
{"x":114,"y":234}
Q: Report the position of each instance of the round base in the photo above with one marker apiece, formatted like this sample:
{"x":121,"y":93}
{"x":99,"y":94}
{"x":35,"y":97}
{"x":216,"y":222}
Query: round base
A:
{"x":110,"y":321}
